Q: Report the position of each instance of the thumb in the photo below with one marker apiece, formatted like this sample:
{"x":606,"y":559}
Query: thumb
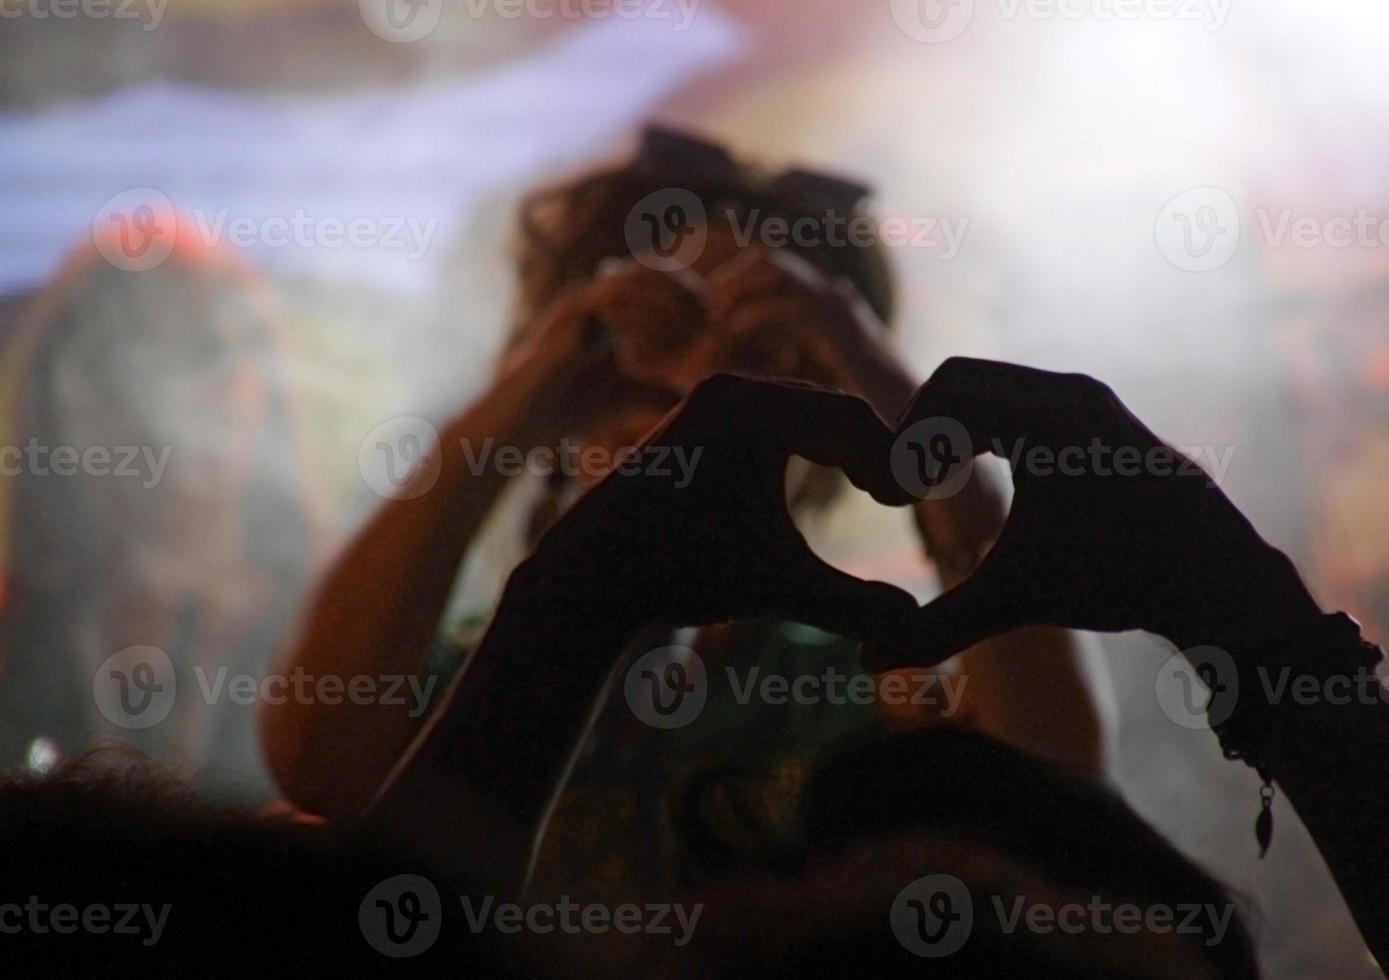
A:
{"x":978,"y":608}
{"x":825,"y":597}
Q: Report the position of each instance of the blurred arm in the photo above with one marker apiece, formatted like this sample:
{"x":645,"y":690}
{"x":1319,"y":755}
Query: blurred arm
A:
{"x":377,"y":611}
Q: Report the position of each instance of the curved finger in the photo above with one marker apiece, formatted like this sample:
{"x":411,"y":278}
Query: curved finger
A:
{"x":987,"y":604}
{"x":822,"y":596}
{"x":832,"y":429}
{"x":998,"y":403}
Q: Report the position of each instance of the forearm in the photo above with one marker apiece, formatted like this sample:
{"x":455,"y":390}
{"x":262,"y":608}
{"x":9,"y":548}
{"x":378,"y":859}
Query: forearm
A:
{"x":1308,"y":711}
{"x":1336,"y":780}
{"x":377,"y":611}
{"x":476,"y":786}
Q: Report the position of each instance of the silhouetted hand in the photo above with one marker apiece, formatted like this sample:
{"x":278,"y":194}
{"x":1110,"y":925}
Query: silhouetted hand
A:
{"x":1110,"y":529}
{"x":694,"y":528}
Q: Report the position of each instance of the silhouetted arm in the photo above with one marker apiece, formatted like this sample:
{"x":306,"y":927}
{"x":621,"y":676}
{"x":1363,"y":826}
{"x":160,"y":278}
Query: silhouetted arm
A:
{"x":641,"y":548}
{"x":1154,"y":545}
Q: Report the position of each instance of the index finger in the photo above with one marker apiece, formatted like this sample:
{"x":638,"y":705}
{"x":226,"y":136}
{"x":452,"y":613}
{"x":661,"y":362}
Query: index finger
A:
{"x":784,"y":419}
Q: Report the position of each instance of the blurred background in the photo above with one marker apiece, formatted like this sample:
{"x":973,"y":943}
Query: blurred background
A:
{"x":1186,"y":199}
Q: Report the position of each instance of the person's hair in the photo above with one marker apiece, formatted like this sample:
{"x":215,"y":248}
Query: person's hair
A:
{"x":567,"y":231}
{"x":954,"y":790}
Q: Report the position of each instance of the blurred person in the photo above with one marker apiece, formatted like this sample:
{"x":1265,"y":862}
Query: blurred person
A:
{"x":189,"y":528}
{"x":112,"y":867}
{"x":604,"y":345}
{"x":1160,"y":549}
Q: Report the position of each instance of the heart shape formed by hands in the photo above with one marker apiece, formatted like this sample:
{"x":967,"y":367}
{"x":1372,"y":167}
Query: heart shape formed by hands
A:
{"x":1146,"y":541}
{"x":694,"y":528}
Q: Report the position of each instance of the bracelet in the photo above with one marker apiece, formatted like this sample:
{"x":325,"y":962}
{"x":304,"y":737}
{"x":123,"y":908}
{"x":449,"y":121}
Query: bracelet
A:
{"x":1329,"y":647}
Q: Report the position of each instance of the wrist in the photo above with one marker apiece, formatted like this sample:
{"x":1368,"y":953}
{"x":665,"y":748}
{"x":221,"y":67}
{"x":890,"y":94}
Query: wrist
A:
{"x":1259,"y":603}
{"x":1322,"y":664}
